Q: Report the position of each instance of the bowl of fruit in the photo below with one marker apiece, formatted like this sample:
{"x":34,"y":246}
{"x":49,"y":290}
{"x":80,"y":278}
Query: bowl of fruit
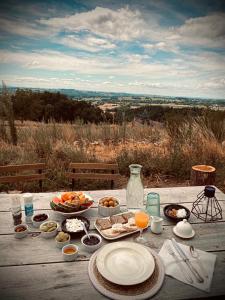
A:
{"x":108,"y":206}
{"x":71,"y":203}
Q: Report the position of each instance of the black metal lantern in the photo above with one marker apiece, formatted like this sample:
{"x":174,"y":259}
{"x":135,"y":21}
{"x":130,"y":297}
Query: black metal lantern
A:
{"x":206,"y":207}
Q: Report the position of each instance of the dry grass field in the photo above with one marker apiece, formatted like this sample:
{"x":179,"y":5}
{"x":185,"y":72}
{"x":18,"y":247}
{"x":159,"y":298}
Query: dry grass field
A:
{"x":166,"y":152}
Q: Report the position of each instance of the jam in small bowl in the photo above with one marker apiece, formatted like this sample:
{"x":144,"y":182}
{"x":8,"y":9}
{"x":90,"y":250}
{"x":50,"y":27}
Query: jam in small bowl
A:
{"x":39,"y":218}
{"x":93,"y":243}
{"x":20,"y":231}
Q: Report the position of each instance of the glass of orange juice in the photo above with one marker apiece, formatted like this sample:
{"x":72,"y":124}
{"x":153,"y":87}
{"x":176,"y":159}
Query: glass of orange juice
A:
{"x":141,"y":221}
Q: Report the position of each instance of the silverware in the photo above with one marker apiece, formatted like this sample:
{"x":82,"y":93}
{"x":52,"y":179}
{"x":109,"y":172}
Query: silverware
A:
{"x":195,"y":254}
{"x":172,"y":253}
{"x":85,"y":229}
{"x":183,"y":256}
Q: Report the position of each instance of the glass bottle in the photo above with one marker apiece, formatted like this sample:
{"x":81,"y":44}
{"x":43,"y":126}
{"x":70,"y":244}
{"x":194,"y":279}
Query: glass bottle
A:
{"x":16,"y":209}
{"x":135,"y":189}
{"x":28,"y":205}
{"x":153,"y":204}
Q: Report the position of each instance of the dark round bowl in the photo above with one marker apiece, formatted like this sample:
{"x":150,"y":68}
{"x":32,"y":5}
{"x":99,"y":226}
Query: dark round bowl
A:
{"x":78,"y":233}
{"x":169,"y":207}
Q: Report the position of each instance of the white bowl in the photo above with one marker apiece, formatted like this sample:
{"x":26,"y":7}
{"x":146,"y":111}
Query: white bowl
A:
{"x":51,"y":233}
{"x":108,"y":211}
{"x":60,"y":245}
{"x":37,"y":224}
{"x":21,"y":234}
{"x":184,"y":229}
{"x":72,"y":256}
{"x":91,"y":248}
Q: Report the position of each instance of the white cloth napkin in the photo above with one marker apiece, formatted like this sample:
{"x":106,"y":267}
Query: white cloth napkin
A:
{"x":207,"y":259}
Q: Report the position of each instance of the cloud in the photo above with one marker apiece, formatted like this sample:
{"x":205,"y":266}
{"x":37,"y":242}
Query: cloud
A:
{"x":162,"y":46}
{"x":121,"y":24}
{"x":86,"y":43}
{"x":208,"y":31}
{"x":23,"y":28}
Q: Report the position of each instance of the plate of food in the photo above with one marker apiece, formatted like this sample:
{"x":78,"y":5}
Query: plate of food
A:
{"x":71,"y":203}
{"x":116,"y":226}
{"x":125,"y":263}
{"x":74,"y":227}
{"x":176,"y":212}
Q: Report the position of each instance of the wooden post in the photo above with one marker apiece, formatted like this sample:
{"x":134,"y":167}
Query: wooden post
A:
{"x":40,"y":181}
{"x":203,"y":175}
{"x":112,"y":181}
{"x":73,"y":181}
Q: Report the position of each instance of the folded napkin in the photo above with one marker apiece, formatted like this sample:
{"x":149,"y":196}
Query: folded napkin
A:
{"x":171,"y":265}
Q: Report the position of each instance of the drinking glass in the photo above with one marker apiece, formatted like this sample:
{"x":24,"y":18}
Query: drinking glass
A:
{"x":141,"y":221}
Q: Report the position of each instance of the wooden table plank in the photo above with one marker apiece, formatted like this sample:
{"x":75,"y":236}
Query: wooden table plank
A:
{"x":6,"y":224}
{"x":167,"y":195}
{"x":35,"y":249}
{"x":70,"y":281}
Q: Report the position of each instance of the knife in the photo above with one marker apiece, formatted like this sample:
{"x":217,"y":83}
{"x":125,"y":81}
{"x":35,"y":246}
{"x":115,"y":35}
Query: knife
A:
{"x":184,"y":257}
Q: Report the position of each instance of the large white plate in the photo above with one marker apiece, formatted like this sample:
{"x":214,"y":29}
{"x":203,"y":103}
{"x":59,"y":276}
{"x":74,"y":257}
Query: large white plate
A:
{"x":71,"y":214}
{"x":125,"y":263}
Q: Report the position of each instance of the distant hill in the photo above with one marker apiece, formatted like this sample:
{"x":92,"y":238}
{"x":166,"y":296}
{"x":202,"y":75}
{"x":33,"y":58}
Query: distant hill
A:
{"x":111,"y":96}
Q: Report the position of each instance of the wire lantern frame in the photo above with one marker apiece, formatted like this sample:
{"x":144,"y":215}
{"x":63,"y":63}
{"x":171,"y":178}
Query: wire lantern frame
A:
{"x":206,"y":207}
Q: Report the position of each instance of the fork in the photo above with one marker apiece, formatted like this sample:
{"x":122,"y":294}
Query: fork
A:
{"x":184,"y":274}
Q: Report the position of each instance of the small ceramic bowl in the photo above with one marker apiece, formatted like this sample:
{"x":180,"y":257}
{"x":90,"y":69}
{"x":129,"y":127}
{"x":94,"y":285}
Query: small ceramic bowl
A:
{"x":38,"y":223}
{"x":168,"y":209}
{"x":107,"y":211}
{"x":20,"y":234}
{"x":184,"y":230}
{"x":49,"y":234}
{"x":70,"y":252}
{"x":93,"y":247}
{"x":60,"y":245}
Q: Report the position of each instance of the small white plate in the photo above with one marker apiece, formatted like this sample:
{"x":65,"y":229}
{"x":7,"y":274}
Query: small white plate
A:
{"x":183,"y":236}
{"x":125,"y":263}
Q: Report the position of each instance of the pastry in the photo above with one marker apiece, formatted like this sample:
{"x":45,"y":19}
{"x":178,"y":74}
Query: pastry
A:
{"x":110,"y":233}
{"x":117,"y":219}
{"x":118,"y":227}
{"x":127,"y":216}
{"x":103,"y":223}
{"x":129,"y":228}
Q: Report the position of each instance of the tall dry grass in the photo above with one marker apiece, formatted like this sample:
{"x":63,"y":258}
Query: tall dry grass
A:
{"x":164,"y":151}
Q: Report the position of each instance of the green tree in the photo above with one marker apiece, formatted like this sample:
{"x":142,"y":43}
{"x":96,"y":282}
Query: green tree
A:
{"x":7,"y":110}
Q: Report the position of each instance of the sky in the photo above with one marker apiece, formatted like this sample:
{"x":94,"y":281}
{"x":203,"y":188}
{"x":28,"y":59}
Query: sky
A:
{"x":164,"y":47}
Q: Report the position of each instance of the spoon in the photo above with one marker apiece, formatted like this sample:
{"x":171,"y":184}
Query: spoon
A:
{"x":85,"y":229}
{"x":195,"y":254}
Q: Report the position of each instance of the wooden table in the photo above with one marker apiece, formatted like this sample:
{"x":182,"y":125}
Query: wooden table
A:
{"x":32,"y":268}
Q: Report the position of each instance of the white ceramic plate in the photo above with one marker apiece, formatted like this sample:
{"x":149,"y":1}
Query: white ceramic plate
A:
{"x":71,"y":214}
{"x":125,"y":263}
{"x":183,"y":236}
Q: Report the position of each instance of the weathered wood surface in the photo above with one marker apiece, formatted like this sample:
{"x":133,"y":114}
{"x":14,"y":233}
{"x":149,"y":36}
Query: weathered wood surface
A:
{"x":32,"y":268}
{"x":167,"y":195}
{"x":209,"y":237}
{"x":15,"y":168}
{"x":70,"y":281}
{"x":6,"y":222}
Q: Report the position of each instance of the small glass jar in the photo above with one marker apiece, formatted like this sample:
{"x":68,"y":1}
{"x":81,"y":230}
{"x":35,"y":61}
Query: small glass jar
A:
{"x":153,"y":204}
{"x":16,"y":209}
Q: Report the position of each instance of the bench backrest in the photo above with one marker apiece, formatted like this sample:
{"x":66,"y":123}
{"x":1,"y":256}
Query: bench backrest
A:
{"x":9,"y":169}
{"x":94,"y":171}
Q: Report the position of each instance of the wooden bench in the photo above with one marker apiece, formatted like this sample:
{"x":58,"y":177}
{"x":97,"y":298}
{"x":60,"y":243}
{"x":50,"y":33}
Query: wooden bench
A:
{"x":9,"y":169}
{"x":93,"y":171}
